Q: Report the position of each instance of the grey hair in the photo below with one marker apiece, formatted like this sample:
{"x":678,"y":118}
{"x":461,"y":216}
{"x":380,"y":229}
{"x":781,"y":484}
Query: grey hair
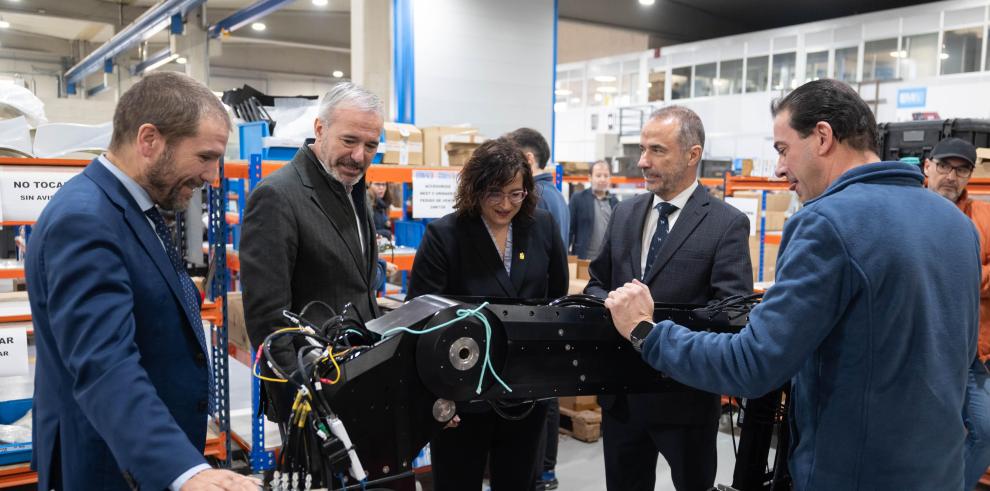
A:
{"x":349,"y":94}
{"x":692,"y":130}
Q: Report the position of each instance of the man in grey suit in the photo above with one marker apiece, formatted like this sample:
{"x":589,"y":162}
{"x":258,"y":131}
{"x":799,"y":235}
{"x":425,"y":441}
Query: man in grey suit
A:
{"x":308,"y":232}
{"x":688,"y":248}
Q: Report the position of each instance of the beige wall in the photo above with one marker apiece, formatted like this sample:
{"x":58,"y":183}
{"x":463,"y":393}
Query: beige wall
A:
{"x":578,"y":41}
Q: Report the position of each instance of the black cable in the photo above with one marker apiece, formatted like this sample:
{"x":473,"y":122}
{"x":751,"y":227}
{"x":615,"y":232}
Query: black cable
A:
{"x":512,"y":417}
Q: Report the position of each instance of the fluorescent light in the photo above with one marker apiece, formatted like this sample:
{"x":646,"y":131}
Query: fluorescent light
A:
{"x":562,"y":92}
{"x":338,"y":74}
{"x":4,"y":24}
{"x":575,"y":100}
{"x":181,"y":60}
{"x":259,"y":26}
{"x":320,"y":3}
{"x":899,"y":54}
{"x":599,"y":97}
{"x":646,"y":2}
{"x":604,"y":78}
{"x":943,"y":56}
{"x":607,"y":89}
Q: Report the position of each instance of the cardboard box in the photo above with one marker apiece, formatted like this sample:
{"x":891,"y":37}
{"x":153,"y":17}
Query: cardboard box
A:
{"x":751,"y":203}
{"x":236,"y":327}
{"x":775,"y":221}
{"x":579,"y":403}
{"x":403,"y":144}
{"x":769,"y":258}
{"x":433,"y":149}
{"x":459,"y":148}
{"x":582,"y":269}
{"x":982,"y":169}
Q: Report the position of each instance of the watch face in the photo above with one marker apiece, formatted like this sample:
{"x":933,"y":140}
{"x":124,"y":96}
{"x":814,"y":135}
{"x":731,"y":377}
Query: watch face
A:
{"x":642,"y":330}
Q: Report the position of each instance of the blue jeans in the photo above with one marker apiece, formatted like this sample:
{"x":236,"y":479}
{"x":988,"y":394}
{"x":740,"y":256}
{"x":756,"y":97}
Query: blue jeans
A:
{"x":976,"y":416}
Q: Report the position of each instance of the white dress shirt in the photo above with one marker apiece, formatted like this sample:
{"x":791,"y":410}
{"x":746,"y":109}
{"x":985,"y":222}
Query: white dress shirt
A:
{"x":650,"y":227}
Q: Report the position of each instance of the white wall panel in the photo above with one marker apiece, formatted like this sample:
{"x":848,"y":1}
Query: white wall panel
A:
{"x":489,"y":64}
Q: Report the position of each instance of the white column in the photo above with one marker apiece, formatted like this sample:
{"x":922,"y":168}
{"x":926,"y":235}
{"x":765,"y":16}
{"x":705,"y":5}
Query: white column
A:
{"x":371,"y":48}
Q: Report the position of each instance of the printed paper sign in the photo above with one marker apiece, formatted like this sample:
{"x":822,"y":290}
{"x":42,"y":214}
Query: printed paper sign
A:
{"x":25,"y":190}
{"x":13,"y":351}
{"x":433,"y":192}
{"x":749,"y":206}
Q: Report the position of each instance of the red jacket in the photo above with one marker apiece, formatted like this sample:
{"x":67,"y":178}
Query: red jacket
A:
{"x":979,"y":212}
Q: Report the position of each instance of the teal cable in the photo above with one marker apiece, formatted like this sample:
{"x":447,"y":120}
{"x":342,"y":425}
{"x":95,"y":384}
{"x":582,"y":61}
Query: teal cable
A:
{"x":461,"y":315}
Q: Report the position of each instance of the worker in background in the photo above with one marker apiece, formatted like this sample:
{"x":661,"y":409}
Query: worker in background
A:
{"x":689,"y":248}
{"x":548,"y":198}
{"x":591,"y":210}
{"x":122,"y":382}
{"x":496,"y":244}
{"x":308,"y":232}
{"x":381,"y":202}
{"x":949,"y":168}
{"x":873,"y":315}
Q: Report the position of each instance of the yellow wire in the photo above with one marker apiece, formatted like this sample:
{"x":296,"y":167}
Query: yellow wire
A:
{"x":335,"y":365}
{"x":254,"y":369}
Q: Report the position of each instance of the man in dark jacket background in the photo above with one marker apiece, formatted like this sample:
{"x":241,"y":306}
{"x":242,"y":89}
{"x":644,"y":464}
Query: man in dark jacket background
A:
{"x":591,"y":210}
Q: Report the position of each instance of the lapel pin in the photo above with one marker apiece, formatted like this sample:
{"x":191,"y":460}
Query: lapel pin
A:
{"x":522,"y":256}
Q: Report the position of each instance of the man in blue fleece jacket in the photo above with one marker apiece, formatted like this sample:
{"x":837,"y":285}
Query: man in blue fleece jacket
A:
{"x":873,"y":315}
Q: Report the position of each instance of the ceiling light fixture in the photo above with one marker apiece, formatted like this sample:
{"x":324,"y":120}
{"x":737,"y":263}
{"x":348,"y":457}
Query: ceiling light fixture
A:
{"x":320,"y":3}
{"x":646,"y":2}
{"x":181,"y":60}
{"x":258,"y":26}
{"x":338,"y":74}
{"x":604,"y":78}
{"x":607,"y":89}
{"x":943,"y":56}
{"x":4,"y":24}
{"x":562,"y":92}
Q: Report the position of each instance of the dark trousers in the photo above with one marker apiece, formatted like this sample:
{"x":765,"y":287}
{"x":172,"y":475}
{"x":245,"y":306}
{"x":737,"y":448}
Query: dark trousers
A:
{"x":512,"y":448}
{"x":631,"y":447}
{"x":548,"y":444}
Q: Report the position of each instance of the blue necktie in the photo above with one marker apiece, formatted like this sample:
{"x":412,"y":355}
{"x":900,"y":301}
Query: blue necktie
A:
{"x":665,"y":209}
{"x":190,"y":296}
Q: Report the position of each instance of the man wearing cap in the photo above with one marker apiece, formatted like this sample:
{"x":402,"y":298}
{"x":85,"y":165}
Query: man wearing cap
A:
{"x":949,"y":169}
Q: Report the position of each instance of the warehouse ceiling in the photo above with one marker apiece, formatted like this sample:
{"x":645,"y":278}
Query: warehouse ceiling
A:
{"x":318,"y":37}
{"x":679,"y":21}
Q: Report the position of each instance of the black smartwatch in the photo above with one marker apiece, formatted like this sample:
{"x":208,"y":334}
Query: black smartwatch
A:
{"x":639,"y":333}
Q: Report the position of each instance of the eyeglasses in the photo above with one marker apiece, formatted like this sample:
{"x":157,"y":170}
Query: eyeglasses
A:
{"x":962,"y":172}
{"x":496,"y":197}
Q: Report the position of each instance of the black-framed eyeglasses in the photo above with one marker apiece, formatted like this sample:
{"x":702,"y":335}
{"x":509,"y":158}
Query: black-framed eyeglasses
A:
{"x":962,"y":171}
{"x":496,"y":197}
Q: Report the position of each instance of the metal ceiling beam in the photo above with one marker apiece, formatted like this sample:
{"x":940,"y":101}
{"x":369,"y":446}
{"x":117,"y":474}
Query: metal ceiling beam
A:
{"x":246,"y":16}
{"x":149,"y":23}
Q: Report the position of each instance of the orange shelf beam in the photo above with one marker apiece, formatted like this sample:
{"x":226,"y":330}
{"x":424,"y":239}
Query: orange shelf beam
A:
{"x":734,"y":183}
{"x":979,"y":185}
{"x":238,"y":169}
{"x":53,"y":162}
{"x":403,"y":261}
{"x":17,"y":475}
{"x":11,"y":273}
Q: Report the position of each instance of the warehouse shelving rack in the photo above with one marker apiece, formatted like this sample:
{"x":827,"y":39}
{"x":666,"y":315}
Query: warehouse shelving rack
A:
{"x":214,"y":310}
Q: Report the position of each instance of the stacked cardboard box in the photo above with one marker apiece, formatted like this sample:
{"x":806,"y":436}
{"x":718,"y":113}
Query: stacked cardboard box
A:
{"x":982,"y":169}
{"x":449,"y":146}
{"x":403,"y":144}
{"x":777,"y":204}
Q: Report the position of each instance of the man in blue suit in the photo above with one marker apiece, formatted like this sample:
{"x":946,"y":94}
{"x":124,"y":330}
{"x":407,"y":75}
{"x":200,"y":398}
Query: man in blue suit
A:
{"x":122,"y":379}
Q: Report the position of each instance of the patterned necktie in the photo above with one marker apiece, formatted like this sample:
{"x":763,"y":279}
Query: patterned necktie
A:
{"x":190,"y":296}
{"x":665,"y":209}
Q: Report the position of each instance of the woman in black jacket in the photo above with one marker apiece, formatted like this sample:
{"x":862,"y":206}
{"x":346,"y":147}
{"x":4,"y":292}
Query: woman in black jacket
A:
{"x":496,"y":245}
{"x":380,"y":199}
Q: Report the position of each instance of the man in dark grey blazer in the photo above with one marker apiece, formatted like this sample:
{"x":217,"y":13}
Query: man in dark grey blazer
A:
{"x":308,"y":233}
{"x":688,"y":248}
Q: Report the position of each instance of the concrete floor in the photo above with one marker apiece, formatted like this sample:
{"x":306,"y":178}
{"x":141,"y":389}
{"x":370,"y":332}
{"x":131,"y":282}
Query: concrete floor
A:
{"x":580,"y":466}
